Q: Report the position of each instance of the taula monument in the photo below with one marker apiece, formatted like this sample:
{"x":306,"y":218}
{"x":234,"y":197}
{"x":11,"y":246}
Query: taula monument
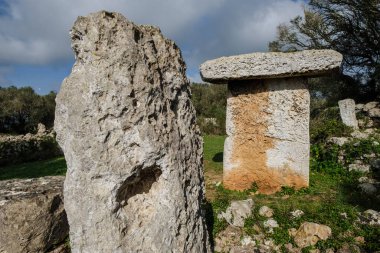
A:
{"x":267,"y":121}
{"x":128,"y":130}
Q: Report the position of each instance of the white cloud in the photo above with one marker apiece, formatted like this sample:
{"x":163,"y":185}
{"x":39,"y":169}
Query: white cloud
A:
{"x":36,"y":31}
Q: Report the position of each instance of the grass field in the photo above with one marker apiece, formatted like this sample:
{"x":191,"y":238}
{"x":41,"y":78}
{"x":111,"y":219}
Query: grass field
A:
{"x":51,"y":167}
{"x":331,"y":193}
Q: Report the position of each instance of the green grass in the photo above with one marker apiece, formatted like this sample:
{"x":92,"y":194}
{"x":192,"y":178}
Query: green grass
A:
{"x":51,"y":167}
{"x":213,"y":152}
{"x":332,"y":191}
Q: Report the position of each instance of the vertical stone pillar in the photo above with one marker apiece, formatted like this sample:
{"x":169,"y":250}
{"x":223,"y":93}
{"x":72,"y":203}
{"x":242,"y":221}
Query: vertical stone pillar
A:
{"x":267,"y":121}
{"x":125,"y":122}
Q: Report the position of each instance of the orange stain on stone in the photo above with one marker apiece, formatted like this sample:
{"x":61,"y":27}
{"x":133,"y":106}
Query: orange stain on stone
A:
{"x":249,"y":102}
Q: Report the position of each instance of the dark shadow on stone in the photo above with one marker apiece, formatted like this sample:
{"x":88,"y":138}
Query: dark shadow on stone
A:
{"x":218,"y":157}
{"x":138,"y":183}
{"x":209,"y":216}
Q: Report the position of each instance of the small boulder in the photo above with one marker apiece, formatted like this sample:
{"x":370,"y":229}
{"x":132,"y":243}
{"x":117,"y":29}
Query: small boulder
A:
{"x":309,"y":234}
{"x":32,"y":217}
{"x":368,"y":188}
{"x":340,"y":141}
{"x":237,"y":212}
{"x":266,"y":211}
{"x":370,"y":106}
{"x":270,"y":224}
{"x":374,"y":113}
{"x":370,"y":217}
{"x":296,"y":214}
{"x":364,"y":168}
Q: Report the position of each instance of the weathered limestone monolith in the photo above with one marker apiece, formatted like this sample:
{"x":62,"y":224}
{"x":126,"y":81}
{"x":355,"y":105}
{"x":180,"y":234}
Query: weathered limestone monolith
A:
{"x":347,"y":112}
{"x":127,"y":127}
{"x":268,"y":116}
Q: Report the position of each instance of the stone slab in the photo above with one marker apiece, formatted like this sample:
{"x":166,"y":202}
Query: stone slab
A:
{"x":267,"y":124}
{"x":270,"y":65}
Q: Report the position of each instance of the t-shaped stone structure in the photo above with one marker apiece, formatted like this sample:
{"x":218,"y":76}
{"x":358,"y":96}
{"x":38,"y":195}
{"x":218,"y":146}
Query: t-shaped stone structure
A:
{"x":267,"y":121}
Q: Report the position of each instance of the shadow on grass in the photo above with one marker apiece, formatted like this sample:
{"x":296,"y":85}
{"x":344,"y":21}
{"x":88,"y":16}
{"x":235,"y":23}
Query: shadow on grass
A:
{"x":218,"y":157}
{"x":51,"y":167}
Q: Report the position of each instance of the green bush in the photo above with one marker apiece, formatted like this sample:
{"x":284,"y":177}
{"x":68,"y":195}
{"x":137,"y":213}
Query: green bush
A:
{"x":327,"y":123}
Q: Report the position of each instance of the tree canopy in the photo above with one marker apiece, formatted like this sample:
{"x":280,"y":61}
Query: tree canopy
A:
{"x":21,"y":109}
{"x":351,"y":27}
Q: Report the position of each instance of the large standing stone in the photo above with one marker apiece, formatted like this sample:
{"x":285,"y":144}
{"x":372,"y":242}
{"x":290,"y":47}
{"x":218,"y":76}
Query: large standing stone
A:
{"x":267,"y":119}
{"x":134,"y":153}
{"x":32,"y":218}
{"x":348,"y":113}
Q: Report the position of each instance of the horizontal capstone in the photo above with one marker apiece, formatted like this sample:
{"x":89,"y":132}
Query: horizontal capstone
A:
{"x":270,"y":65}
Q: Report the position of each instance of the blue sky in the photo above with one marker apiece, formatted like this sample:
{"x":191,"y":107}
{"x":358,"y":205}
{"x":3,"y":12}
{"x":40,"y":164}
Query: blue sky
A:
{"x":34,"y":34}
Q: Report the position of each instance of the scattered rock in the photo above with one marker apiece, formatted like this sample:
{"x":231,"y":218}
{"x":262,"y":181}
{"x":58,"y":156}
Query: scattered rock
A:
{"x":344,"y":215}
{"x":370,"y":217}
{"x":125,"y":121}
{"x":270,"y":224}
{"x":347,"y":113}
{"x":227,"y":238}
{"x":296,"y":214}
{"x":266,"y":211}
{"x":349,"y":248}
{"x":309,"y":234}
{"x":237,"y":212}
{"x":32,"y":216}
{"x":340,"y":141}
{"x":359,"y":239}
{"x":368,"y":188}
{"x":359,"y":135}
{"x":359,"y":107}
{"x":41,"y":129}
{"x":370,"y":106}
{"x":291,"y":249}
{"x":364,"y":168}
{"x":247,"y":241}
{"x":375,"y":164}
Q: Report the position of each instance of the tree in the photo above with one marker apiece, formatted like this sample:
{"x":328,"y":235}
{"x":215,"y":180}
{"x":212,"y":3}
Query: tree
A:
{"x":22,"y":109}
{"x":351,"y":27}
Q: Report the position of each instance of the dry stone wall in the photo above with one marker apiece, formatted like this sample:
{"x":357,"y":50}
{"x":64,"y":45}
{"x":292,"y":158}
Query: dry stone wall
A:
{"x":127,"y":127}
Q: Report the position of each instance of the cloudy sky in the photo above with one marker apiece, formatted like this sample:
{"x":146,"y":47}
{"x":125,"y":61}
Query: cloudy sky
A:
{"x":34,"y":34}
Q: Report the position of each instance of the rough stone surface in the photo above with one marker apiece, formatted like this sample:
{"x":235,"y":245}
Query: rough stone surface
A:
{"x":237,"y":212}
{"x":347,"y":112}
{"x":266,"y":211}
{"x":310,"y":233}
{"x":364,"y":168}
{"x":296,"y":214}
{"x":370,"y":217}
{"x":125,"y":122}
{"x":374,"y":112}
{"x":267,"y":124}
{"x":270,"y":65}
{"x":32,"y":217}
{"x":370,"y":105}
{"x":340,"y":141}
